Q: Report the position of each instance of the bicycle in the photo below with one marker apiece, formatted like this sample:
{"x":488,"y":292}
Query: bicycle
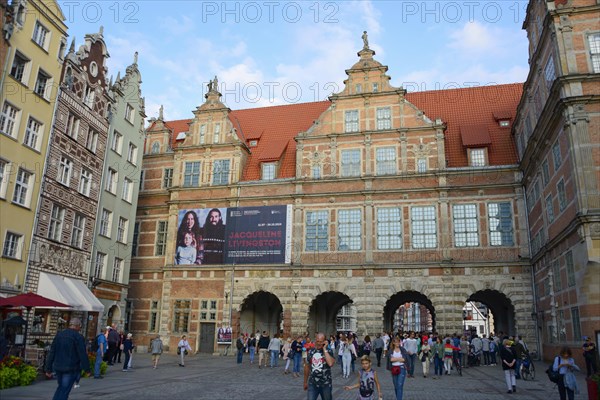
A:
{"x":456,"y":364}
{"x":527,"y":369}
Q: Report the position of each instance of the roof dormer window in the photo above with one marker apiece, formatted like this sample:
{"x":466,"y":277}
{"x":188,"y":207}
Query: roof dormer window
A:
{"x":253,"y":143}
{"x":504,"y":123}
{"x":478,"y":157}
{"x":268,"y":171}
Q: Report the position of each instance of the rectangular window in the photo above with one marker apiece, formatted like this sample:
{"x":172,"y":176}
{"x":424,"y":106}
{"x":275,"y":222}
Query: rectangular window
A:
{"x":465,"y":225}
{"x":421,"y":165}
{"x":384,"y":118}
{"x":89,"y":97}
{"x":202,"y":133}
{"x":181,"y":313}
{"x":317,"y":231}
{"x":375,"y":87}
{"x":105,"y":222}
{"x":545,"y":172}
{"x":4,"y":174}
{"x":127,"y":189}
{"x":501,"y":224}
{"x":77,"y":232}
{"x":349,"y":230}
{"x":141,"y":187}
{"x":72,"y":128}
{"x":477,"y":157}
{"x":167,"y":178}
{"x":576,"y":323}
{"x":85,"y":182}
{"x":33,"y":134}
{"x":562,"y":195}
{"x":112,"y":177}
{"x":8,"y":120}
{"x":191,"y":175}
{"x":153,"y":326}
{"x":117,"y":268}
{"x":570,"y":269}
{"x":351,"y":163}
{"x":351,"y":121}
{"x":161,"y":238}
{"x":135,"y":240}
{"x":549,"y":208}
{"x":116,"y":142}
{"x":92,"y":140}
{"x":122,"y":228}
{"x":557,"y":156}
{"x":20,"y":67}
{"x":42,"y":84}
{"x":13,"y":244}
{"x":549,"y":73}
{"x":56,"y":223}
{"x":220,"y":172}
{"x":129,"y":113}
{"x":389,"y":228}
{"x":132,"y":154}
{"x":316,"y":171}
{"x":40,"y":34}
{"x":556,"y":279}
{"x":217,"y":133}
{"x":65,"y":170}
{"x":358,"y":88}
{"x":423,"y":227}
{"x":594,"y":42}
{"x":268,"y":171}
{"x":21,"y":193}
{"x":386,"y":161}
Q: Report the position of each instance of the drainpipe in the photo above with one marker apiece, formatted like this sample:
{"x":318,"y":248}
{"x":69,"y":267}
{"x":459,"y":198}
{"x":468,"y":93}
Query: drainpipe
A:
{"x":534,"y":288}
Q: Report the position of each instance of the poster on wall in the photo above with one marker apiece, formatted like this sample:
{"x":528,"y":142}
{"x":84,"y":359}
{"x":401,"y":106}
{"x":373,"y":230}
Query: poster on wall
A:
{"x":234,"y":235}
{"x":224,"y":335}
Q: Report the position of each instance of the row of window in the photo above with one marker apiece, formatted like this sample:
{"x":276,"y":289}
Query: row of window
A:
{"x":9,"y":126}
{"x":21,"y":70}
{"x":106,"y":222}
{"x":181,"y":314}
{"x":23,"y":181}
{"x":116,"y":145}
{"x":100,"y":267}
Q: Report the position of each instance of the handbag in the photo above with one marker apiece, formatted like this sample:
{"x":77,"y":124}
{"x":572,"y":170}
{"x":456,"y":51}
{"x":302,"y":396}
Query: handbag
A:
{"x":395,"y":370}
{"x":179,"y":351}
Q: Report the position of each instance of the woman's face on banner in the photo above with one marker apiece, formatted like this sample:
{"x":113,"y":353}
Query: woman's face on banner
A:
{"x":190,"y":221}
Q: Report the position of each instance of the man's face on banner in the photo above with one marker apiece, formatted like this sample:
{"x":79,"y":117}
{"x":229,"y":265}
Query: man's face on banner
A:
{"x":214,"y":218}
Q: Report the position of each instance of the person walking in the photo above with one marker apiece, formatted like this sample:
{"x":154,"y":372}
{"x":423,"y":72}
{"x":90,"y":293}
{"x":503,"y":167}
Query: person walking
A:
{"x":156,"y":348}
{"x":348,"y":351}
{"x":367,"y":345}
{"x":437,"y":350}
{"x":113,"y":343}
{"x":127,"y":350}
{"x":493,"y":351}
{"x":509,"y":362}
{"x":287,"y":354}
{"x":565,"y":365}
{"x":67,"y":358}
{"x":274,"y":349}
{"x":411,"y":346}
{"x":589,"y":355}
{"x":485,"y":348}
{"x":263,"y":348}
{"x":396,"y":360}
{"x":119,"y":349}
{"x":317,"y":370}
{"x":378,"y":348}
{"x":239,"y":345}
{"x":297,"y":355}
{"x":464,"y":351}
{"x":449,"y":350}
{"x":367,"y":381}
{"x":425,"y":357}
{"x":182,"y":349}
{"x":102,"y":344}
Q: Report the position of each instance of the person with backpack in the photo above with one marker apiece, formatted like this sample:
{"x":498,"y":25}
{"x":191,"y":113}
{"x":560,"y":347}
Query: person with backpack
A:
{"x":252,"y":348}
{"x":565,"y":365}
{"x":239,"y":345}
{"x":100,"y":345}
{"x":509,"y":362}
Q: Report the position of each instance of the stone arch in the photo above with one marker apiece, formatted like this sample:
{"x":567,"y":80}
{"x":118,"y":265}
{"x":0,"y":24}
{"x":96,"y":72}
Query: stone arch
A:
{"x":323,"y":311}
{"x":501,"y":307}
{"x":402,"y":297}
{"x":261,"y":310}
{"x":113,"y":315}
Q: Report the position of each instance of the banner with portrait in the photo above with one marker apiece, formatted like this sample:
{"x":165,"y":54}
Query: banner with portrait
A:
{"x":234,"y":235}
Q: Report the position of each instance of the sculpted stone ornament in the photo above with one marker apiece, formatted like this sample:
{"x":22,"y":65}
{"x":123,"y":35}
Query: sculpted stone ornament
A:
{"x":365,"y":39}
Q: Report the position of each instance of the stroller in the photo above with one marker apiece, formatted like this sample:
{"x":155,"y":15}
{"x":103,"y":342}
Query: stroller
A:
{"x":474,"y":358}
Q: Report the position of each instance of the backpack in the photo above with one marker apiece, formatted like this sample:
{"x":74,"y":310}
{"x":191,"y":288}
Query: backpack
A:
{"x":239,"y":344}
{"x":95,"y":346}
{"x":553,"y":375}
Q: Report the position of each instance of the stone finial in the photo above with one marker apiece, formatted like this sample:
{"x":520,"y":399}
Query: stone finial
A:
{"x":160,"y":113}
{"x":216,"y":84}
{"x":72,"y":47}
{"x":365,"y":39}
{"x":135,"y":57}
{"x":101,"y":32}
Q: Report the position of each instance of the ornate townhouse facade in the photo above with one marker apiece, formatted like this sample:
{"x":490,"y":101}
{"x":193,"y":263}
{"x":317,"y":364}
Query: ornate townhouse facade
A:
{"x":558,"y":141}
{"x":34,"y":44}
{"x":374,"y":198}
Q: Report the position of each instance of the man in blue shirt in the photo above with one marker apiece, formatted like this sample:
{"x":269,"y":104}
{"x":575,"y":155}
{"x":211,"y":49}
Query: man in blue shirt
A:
{"x":102,"y":347}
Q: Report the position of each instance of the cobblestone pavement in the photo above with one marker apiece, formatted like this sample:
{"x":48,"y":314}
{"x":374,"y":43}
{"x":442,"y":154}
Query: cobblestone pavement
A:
{"x":220,"y":378}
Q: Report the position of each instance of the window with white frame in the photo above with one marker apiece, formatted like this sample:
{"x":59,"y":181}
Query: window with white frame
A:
{"x":594,"y":42}
{"x":181,"y":315}
{"x":202,"y":133}
{"x":77,"y":232}
{"x":117,"y":268}
{"x":132,"y":153}
{"x":127,"y":190}
{"x":112,"y":178}
{"x":4,"y":174}
{"x":375,"y":87}
{"x":477,"y":157}
{"x":161,"y":238}
{"x":20,"y":68}
{"x":557,"y":156}
{"x":562,"y":195}
{"x":545,"y":172}
{"x":13,"y":245}
{"x":22,"y":194}
{"x":217,"y":133}
{"x":268,"y":171}
{"x":386,"y":160}
{"x":117,"y":142}
{"x":85,"y":182}
{"x":549,"y":208}
{"x":220,"y":172}
{"x":167,"y":178}
{"x":316,"y":171}
{"x":153,"y":322}
{"x":99,"y":264}
{"x":105,"y":222}
{"x":349,"y":229}
{"x":122,"y":228}
{"x":191,"y":174}
{"x":351,"y":121}
{"x":129,"y":113}
{"x":423,"y":227}
{"x":56,"y":223}
{"x":33,"y":134}
{"x":65,"y":171}
{"x":41,"y":35}
{"x":389,"y":228}
{"x":500,"y":221}
{"x":549,"y":73}
{"x":384,"y":118}
{"x":91,"y":142}
{"x":350,"y":163}
{"x":72,"y":126}
{"x":421,"y":165}
{"x":8,"y":120}
{"x":42,"y":84}
{"x":465,"y":221}
{"x":317,"y":231}
{"x":135,"y":240}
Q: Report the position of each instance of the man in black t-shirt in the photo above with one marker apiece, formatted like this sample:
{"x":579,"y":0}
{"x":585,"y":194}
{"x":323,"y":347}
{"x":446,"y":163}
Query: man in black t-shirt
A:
{"x":317,"y":370}
{"x":263,"y":348}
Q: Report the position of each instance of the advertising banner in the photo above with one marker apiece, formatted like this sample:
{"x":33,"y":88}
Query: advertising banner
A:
{"x":235,"y":235}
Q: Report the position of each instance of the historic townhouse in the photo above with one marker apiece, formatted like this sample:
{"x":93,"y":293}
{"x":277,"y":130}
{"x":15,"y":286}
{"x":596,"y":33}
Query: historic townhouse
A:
{"x":313,"y":216}
{"x":557,"y":134}
{"x":30,"y":74}
{"x":64,"y":230}
{"x":115,"y":227}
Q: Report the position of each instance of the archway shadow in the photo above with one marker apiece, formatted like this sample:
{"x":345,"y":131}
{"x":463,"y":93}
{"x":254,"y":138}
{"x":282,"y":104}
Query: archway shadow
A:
{"x":500,"y":306}
{"x":400,"y":298}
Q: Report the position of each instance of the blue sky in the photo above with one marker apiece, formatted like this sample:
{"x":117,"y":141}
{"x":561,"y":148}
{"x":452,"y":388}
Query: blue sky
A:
{"x":280,"y":52}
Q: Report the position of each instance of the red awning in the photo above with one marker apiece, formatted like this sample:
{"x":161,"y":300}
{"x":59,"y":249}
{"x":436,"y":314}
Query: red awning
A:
{"x":29,"y":300}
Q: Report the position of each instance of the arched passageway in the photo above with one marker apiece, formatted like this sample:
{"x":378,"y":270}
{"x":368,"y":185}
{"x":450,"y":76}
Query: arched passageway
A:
{"x":409,"y":310}
{"x":261,"y":311}
{"x":114,"y":315}
{"x":500,"y":306}
{"x":323,"y":312}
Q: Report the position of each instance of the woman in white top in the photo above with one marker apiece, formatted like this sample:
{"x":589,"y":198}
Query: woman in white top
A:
{"x":182,"y":348}
{"x":398,"y":367}
{"x":347,"y":349}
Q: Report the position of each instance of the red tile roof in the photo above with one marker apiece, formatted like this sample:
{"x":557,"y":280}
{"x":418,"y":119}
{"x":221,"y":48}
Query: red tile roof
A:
{"x":475,"y":136}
